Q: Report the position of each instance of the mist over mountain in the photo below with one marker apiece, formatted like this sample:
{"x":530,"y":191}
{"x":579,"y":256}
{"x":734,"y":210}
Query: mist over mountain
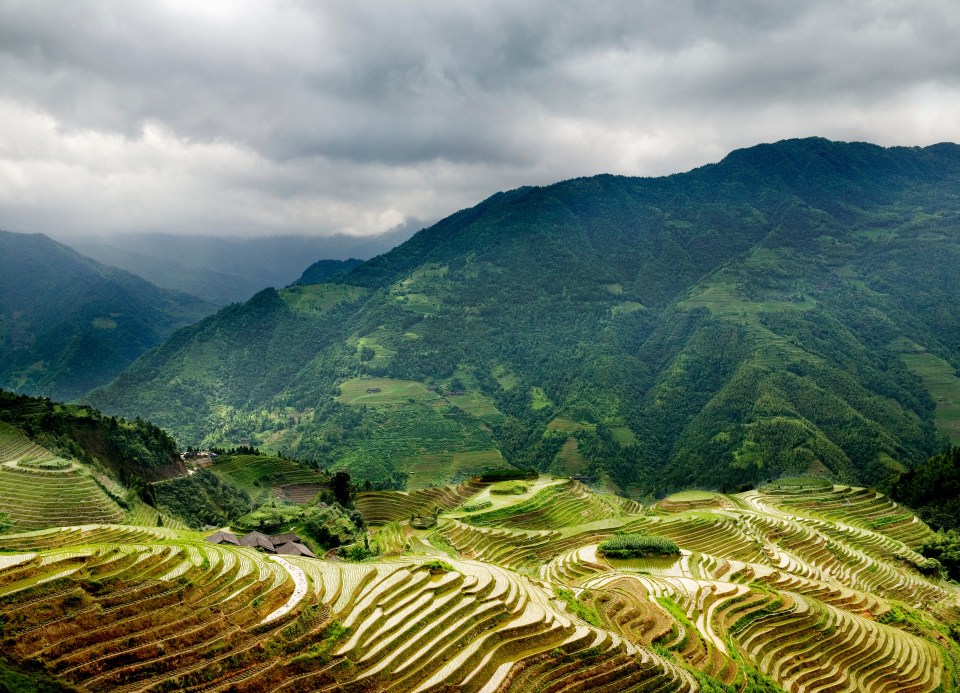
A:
{"x":68,"y":323}
{"x":227,"y":269}
{"x":792,"y":309}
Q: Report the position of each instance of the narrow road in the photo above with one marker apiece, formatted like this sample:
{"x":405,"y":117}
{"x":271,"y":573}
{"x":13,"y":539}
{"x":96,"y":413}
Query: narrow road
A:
{"x":299,"y":592}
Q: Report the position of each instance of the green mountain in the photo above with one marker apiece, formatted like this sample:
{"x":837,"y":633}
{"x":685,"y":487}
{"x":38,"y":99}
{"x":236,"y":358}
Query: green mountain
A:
{"x":792,"y":309}
{"x":68,"y":323}
{"x":324,"y":270}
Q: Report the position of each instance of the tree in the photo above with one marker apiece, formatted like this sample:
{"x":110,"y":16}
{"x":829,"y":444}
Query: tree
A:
{"x":342,"y":489}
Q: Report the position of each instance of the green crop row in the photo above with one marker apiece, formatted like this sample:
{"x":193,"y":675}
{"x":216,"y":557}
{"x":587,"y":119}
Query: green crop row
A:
{"x":638,"y":546}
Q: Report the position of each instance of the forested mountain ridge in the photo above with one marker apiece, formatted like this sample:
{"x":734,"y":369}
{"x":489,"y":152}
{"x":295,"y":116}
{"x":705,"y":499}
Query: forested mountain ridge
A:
{"x":791,"y":309}
{"x":68,"y":323}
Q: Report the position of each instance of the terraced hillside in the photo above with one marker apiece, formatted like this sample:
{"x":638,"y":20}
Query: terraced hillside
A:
{"x":280,"y":478}
{"x":799,"y":589}
{"x":39,"y":489}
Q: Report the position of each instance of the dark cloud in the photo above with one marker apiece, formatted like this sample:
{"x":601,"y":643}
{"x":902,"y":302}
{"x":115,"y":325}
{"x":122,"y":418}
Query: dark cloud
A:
{"x":304,"y":117}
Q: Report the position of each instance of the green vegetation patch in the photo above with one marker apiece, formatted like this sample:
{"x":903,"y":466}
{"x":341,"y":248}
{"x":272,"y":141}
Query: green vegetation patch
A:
{"x":554,"y":507}
{"x":477,"y":404}
{"x":941,"y":380}
{"x":638,"y":546}
{"x":317,"y":299}
{"x":418,"y":303}
{"x":562,"y":425}
{"x":627,"y":307}
{"x":798,"y":484}
{"x":691,"y":496}
{"x":507,"y":379}
{"x":28,"y":677}
{"x":932,"y":490}
{"x":509,"y":488}
{"x":201,"y":499}
{"x":577,"y":607}
{"x":437,"y":567}
{"x":372,"y":352}
{"x":436,"y":469}
{"x":507,"y":474}
{"x":539,"y":399}
{"x":254,"y":473}
{"x":623,"y":435}
{"x":104,"y":323}
{"x":568,"y":461}
{"x":373,"y":391}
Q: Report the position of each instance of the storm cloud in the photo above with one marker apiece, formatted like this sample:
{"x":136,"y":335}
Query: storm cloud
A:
{"x":251,"y":118}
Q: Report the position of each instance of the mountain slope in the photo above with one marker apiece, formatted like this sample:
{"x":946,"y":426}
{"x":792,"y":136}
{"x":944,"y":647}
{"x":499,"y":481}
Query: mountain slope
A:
{"x":68,"y":323}
{"x":783,"y":311}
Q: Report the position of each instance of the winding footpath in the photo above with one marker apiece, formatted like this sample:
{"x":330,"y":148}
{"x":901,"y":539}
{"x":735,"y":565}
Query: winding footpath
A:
{"x":299,"y":592}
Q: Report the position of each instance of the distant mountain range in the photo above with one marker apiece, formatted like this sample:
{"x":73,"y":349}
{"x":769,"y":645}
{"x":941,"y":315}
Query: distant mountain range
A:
{"x":68,"y":323}
{"x":792,"y":309}
{"x":225,"y":270}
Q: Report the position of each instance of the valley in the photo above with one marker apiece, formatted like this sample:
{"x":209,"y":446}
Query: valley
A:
{"x":501,"y":347}
{"x":796,"y":587}
{"x":663,"y":452}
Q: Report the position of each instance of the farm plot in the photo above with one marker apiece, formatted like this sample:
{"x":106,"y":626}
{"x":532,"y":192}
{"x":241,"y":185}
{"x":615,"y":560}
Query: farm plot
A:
{"x":36,"y":498}
{"x":815,"y":588}
{"x":379,"y":391}
{"x":438,"y":442}
{"x":381,"y":507}
{"x":257,"y":474}
{"x":554,"y":507}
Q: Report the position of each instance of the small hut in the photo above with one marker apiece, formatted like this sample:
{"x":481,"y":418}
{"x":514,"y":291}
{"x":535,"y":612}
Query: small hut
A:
{"x":256,"y":540}
{"x":221,"y":537}
{"x":295,"y":548}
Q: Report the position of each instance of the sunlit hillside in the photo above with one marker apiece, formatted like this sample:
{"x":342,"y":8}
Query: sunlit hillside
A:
{"x":801,"y":586}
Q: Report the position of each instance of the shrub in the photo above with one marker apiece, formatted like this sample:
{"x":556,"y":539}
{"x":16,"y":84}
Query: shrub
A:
{"x":436,"y":567}
{"x":509,"y":488}
{"x":638,"y":546}
{"x":473,"y":507}
{"x":492,"y":475}
{"x":587,"y":613}
{"x":360,"y":551}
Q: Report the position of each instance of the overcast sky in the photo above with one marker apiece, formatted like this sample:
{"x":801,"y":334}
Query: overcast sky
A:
{"x":251,"y":118}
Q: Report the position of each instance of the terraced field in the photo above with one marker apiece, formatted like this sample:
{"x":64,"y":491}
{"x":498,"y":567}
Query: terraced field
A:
{"x":811,"y":590}
{"x":259,"y":474}
{"x":381,"y":507}
{"x":39,"y":489}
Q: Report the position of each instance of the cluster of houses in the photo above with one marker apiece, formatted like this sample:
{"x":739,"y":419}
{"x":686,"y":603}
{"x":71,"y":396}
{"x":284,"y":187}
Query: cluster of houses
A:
{"x":198,"y":458}
{"x":288,"y":544}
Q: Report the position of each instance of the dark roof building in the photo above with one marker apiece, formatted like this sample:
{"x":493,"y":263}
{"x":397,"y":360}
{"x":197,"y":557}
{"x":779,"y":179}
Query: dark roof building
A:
{"x":256,"y":540}
{"x":221,"y":537}
{"x":288,"y":544}
{"x":286,"y":538}
{"x":294,"y":548}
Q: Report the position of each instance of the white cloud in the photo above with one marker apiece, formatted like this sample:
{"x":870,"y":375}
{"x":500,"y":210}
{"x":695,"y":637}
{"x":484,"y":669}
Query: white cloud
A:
{"x":302,"y":117}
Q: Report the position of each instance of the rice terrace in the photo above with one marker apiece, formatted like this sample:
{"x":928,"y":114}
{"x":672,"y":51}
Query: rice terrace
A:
{"x":532,"y":584}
